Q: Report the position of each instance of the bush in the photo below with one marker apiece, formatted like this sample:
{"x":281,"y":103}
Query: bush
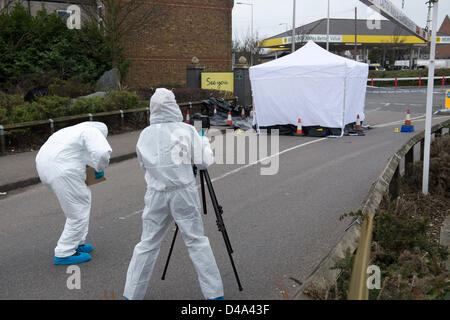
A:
{"x":42,"y":47}
{"x":114,"y":100}
{"x":14,"y":110}
{"x":71,"y":88}
{"x":185,"y":94}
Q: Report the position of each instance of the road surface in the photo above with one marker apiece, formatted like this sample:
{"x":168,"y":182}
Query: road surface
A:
{"x":281,"y":226}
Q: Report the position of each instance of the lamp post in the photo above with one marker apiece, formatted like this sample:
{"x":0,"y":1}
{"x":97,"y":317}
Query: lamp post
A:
{"x":431,"y":67}
{"x":285,"y":24}
{"x":252,"y":35}
{"x":328,"y":26}
{"x":293,"y":28}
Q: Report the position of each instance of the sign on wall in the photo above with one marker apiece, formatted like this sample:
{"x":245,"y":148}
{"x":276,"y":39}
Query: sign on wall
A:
{"x":314,"y":37}
{"x":223,"y":81}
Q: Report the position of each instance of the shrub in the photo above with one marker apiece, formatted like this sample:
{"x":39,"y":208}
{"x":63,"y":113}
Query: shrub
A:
{"x":86,"y":105}
{"x":71,"y":88}
{"x":31,"y":47}
{"x":117,"y":100}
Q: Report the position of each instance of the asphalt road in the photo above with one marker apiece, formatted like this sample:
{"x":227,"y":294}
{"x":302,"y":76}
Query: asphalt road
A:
{"x":281,"y":226}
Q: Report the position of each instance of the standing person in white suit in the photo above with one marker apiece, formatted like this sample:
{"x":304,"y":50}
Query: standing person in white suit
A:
{"x":61,"y":165}
{"x":166,"y":151}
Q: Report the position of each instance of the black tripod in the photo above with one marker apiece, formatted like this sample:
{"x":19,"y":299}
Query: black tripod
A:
{"x":204,"y":176}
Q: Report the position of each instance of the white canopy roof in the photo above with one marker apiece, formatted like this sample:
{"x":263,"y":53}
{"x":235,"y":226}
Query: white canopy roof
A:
{"x":320,"y":88}
{"x":311,"y":60}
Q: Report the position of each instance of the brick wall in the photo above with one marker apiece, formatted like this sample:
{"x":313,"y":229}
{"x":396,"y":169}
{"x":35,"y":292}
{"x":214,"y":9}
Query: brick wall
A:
{"x":443,"y":50}
{"x":445,"y":27}
{"x":177,"y":31}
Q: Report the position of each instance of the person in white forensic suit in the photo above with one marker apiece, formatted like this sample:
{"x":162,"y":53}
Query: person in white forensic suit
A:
{"x":166,"y":151}
{"x":61,"y":165}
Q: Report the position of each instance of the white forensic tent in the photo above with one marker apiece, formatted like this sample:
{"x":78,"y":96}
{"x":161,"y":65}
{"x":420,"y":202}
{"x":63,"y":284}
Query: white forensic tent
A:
{"x":320,"y":88}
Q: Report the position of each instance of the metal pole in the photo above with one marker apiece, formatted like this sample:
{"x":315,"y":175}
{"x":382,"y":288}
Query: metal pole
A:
{"x":431,"y":67}
{"x":253,"y":41}
{"x":293,"y":29}
{"x":2,"y":140}
{"x":328,"y":27}
{"x":356,"y":32}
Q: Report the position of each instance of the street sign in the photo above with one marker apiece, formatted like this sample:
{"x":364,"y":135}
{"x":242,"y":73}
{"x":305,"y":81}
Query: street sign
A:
{"x":447,"y":99}
{"x":388,"y":10}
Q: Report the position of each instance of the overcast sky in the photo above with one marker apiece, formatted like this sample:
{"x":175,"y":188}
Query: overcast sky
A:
{"x":269,"y":14}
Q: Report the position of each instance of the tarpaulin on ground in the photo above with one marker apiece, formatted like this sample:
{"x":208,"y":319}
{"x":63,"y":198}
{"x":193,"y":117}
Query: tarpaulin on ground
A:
{"x":318,"y":87}
{"x":221,"y":116}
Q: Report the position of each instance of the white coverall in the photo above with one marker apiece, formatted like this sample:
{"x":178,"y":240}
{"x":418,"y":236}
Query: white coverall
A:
{"x":171,"y":195}
{"x":61,"y":165}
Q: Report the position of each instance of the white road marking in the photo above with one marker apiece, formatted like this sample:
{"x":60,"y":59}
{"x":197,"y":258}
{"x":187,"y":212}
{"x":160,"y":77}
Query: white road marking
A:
{"x":278,"y":154}
{"x":265,"y":159}
{"x":131,"y":215}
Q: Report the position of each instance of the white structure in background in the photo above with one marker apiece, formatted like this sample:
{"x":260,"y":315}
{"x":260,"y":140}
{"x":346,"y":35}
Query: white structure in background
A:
{"x":320,"y":88}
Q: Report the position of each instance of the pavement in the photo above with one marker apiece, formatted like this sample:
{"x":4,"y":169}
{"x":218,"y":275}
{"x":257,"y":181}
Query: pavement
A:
{"x":19,"y":170}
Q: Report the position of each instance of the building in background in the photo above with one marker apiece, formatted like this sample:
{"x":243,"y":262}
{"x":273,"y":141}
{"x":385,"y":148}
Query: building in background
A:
{"x":178,"y":31}
{"x":162,"y":46}
{"x":443,"y":44}
{"x":387,"y":38}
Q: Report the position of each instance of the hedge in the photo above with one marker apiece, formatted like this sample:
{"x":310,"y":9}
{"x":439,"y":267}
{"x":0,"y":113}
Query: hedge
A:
{"x":14,"y":110}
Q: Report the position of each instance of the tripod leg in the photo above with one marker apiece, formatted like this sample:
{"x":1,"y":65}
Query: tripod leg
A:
{"x":218,"y":210}
{"x":170,"y":253}
{"x":202,"y":184}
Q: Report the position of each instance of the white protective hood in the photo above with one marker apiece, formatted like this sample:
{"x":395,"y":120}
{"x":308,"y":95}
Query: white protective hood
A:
{"x":164,"y":107}
{"x":320,"y":88}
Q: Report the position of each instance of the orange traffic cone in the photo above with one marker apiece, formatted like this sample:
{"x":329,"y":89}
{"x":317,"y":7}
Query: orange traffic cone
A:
{"x":188,"y":118}
{"x":229,"y":120}
{"x":299,"y":127}
{"x":215,"y":110}
{"x":407,"y":127}
{"x":251,"y":113}
{"x":408,"y":118}
{"x":242,"y":112}
{"x":358,"y":123}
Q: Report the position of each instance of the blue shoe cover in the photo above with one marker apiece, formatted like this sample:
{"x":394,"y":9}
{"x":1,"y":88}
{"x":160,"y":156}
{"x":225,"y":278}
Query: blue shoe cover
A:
{"x":218,"y":298}
{"x":86,"y":248}
{"x":75,"y":259}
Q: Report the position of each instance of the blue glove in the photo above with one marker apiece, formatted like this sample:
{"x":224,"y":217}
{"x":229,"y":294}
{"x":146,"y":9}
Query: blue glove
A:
{"x":99,"y":175}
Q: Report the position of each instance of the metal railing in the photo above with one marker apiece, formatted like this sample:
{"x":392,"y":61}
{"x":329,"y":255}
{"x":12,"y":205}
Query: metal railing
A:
{"x":388,"y":183}
{"x":88,"y":116}
{"x":397,"y":79}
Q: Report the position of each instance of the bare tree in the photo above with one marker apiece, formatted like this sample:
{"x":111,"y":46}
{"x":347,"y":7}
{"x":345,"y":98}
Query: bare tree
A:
{"x":117,"y":19}
{"x":246,"y":45}
{"x":5,"y":5}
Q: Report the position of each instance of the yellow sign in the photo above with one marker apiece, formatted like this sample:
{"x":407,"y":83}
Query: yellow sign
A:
{"x":223,"y":81}
{"x":447,"y":99}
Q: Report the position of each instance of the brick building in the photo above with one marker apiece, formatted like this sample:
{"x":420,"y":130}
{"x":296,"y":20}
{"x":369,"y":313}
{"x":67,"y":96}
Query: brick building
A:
{"x":177,"y":31}
{"x":443,"y":50}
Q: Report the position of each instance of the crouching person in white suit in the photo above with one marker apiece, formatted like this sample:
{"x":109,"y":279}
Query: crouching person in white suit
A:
{"x":61,"y":165}
{"x":166,"y":151}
